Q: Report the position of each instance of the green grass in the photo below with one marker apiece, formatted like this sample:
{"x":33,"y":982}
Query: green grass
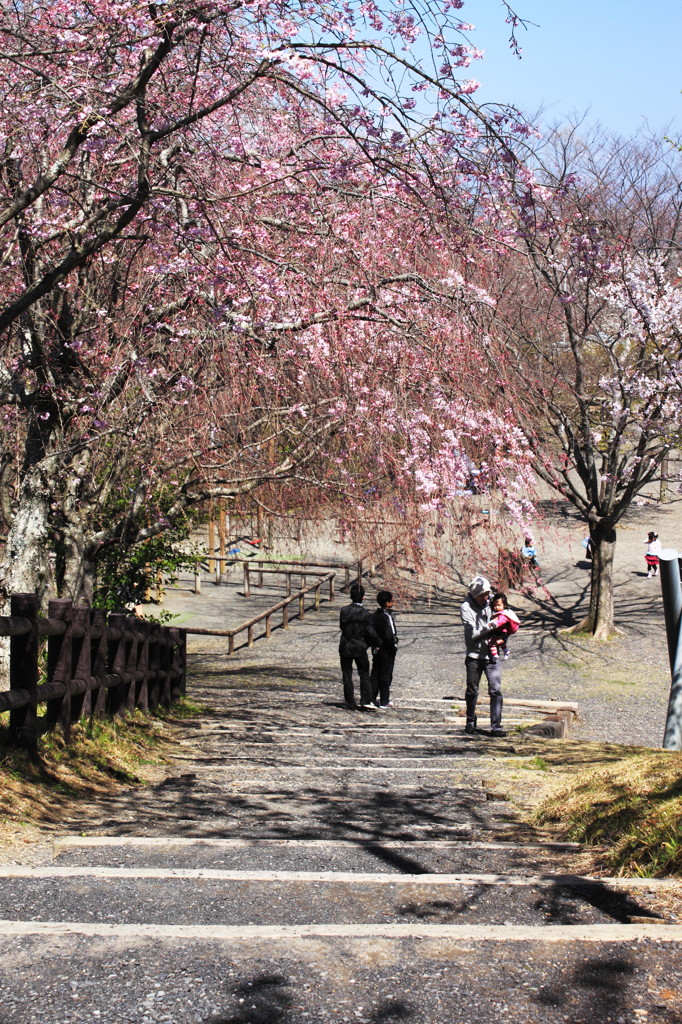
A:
{"x":182,"y":709}
{"x":537,"y":762}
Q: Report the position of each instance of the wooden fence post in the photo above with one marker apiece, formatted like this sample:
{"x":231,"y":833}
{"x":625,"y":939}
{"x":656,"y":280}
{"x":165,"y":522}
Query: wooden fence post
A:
{"x":331,"y":589}
{"x":197,"y":579}
{"x":154,"y":665}
{"x":81,"y":654}
{"x":287,"y":573}
{"x":117,"y":664}
{"x":317,"y":596}
{"x":211,"y":539}
{"x":23,"y":672}
{"x":222,"y":534}
{"x":247,"y":580}
{"x":301,"y":606}
{"x":142,"y":688}
{"x":99,"y":663}
{"x":130,"y":686}
{"x":177,"y":683}
{"x":165,"y":661}
{"x":60,"y":666}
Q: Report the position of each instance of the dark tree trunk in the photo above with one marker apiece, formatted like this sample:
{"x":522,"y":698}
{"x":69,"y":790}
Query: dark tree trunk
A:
{"x":599,"y":619}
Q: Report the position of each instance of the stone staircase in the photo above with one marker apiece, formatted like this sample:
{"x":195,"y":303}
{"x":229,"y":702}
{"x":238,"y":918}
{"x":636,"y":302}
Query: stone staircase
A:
{"x":309,"y":864}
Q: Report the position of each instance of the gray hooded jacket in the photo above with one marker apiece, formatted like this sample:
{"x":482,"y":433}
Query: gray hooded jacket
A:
{"x":477,"y":627}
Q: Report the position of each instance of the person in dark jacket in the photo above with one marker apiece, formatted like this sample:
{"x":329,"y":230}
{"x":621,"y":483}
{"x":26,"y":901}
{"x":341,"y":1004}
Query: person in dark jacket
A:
{"x":357,"y":634}
{"x":384,"y":658}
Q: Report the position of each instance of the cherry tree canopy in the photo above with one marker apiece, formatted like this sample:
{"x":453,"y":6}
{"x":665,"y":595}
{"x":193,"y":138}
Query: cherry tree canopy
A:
{"x":237,"y":245}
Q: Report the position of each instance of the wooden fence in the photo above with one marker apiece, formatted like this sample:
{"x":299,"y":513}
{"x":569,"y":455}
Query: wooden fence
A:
{"x":92,"y":666}
{"x":254,"y":569}
{"x":266,"y":616}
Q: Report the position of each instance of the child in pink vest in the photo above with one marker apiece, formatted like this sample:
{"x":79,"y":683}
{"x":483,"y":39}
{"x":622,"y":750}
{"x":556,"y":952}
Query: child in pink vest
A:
{"x":507,"y":622}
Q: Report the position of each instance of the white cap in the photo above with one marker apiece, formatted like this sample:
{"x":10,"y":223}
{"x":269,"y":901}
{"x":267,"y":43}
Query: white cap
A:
{"x":479,"y":585}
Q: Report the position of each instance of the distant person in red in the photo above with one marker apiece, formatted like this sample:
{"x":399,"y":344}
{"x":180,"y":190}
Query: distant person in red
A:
{"x":506,"y":623}
{"x":652,"y":552}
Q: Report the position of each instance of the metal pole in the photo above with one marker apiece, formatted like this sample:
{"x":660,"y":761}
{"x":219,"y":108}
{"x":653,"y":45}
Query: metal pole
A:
{"x":672,"y":608}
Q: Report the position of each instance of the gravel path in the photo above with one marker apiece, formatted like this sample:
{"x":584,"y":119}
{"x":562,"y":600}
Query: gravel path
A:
{"x":622,"y":686}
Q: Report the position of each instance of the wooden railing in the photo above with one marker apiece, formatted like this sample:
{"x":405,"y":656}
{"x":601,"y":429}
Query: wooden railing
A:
{"x":352,"y":571}
{"x":267,"y":615}
{"x":258,"y":570}
{"x":92,"y":667}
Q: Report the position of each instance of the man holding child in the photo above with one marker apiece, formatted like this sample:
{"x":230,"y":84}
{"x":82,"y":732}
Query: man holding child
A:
{"x":479,"y":624}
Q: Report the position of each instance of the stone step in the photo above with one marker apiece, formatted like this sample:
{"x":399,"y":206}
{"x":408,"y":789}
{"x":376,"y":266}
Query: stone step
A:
{"x":162,"y":896}
{"x":260,"y":697}
{"x":667,"y":937}
{"x":315,"y":855}
{"x":417,"y":973}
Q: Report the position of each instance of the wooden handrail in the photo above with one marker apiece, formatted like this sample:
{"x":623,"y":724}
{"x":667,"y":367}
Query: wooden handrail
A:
{"x":285,"y":566}
{"x":282,"y":606}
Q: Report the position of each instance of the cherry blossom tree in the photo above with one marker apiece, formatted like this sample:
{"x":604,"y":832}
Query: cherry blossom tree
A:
{"x":235,"y":240}
{"x":590,"y":309}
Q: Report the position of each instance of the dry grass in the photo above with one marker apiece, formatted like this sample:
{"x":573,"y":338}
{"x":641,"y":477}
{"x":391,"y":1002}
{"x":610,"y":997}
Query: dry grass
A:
{"x":42,"y":789}
{"x":625,"y":800}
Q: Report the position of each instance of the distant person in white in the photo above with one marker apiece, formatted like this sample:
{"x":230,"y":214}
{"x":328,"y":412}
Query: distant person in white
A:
{"x":653,"y":550}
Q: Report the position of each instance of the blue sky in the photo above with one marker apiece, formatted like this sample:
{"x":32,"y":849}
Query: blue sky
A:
{"x":620,"y":58}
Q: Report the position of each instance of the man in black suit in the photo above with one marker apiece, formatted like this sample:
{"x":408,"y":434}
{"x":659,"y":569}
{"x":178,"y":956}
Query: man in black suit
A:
{"x":384,"y":657}
{"x":357,"y":634}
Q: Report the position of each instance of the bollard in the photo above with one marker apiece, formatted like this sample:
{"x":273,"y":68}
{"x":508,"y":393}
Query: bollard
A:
{"x":671,"y":588}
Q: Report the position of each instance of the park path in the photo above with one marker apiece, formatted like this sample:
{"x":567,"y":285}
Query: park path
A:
{"x":303,"y":863}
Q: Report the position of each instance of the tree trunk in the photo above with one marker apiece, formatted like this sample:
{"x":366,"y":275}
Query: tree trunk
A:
{"x":27,"y":567}
{"x":76,"y":566}
{"x":599,"y":619}
{"x":665,"y":468}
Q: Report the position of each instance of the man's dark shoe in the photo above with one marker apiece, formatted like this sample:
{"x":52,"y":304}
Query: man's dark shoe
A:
{"x":351,"y":707}
{"x":470,"y":728}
